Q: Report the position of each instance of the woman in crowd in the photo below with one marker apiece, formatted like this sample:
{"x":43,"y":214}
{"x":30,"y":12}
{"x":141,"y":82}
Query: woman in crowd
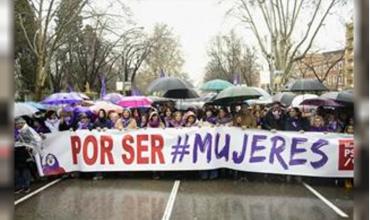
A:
{"x":177,"y":120}
{"x":318,"y":125}
{"x":190,"y":119}
{"x":66,"y":121}
{"x":84,"y":122}
{"x":275,"y":118}
{"x":102,"y":121}
{"x":294,"y":121}
{"x":136,"y":115}
{"x":154,"y":121}
{"x":52,"y":121}
{"x":126,"y":121}
{"x":209,"y":119}
{"x":143,"y":121}
{"x":39,"y":126}
{"x":223,"y":117}
{"x":332,"y":125}
{"x":167,"y":117}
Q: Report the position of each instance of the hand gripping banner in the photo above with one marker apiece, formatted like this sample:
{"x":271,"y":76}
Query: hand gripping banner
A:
{"x":292,"y":153}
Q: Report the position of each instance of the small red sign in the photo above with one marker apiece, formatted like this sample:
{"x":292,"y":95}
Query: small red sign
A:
{"x":346,"y":154}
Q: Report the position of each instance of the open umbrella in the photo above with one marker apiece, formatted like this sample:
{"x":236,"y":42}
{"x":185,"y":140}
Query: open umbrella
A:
{"x":181,"y":94}
{"x":62,"y":98}
{"x":236,"y":94}
{"x":82,"y":95}
{"x":107,"y":106}
{"x":344,"y":96}
{"x":157,"y":99}
{"x":135,"y":102}
{"x":165,"y":84}
{"x":319,"y":101}
{"x":22,"y":109}
{"x":264,"y":99}
{"x":112,"y":97}
{"x":216,"y":85}
{"x":285,"y":98}
{"x":300,"y":98}
{"x":306,"y":85}
{"x":36,"y":105}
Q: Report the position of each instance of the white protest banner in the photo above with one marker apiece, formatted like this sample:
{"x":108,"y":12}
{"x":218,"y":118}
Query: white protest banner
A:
{"x":292,"y":153}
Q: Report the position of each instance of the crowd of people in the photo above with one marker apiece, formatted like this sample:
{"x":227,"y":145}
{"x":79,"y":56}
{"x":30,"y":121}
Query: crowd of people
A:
{"x":272,"y":117}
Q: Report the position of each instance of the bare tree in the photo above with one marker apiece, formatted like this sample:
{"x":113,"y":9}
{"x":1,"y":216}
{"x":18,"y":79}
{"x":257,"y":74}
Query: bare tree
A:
{"x":228,"y":55}
{"x":276,"y":24}
{"x":46,"y":39}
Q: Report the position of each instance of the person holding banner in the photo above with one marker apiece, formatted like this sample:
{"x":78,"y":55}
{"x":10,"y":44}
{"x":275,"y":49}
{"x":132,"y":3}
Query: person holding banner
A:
{"x":154,"y":121}
{"x":295,"y":121}
{"x":209,"y":119}
{"x":84,"y":122}
{"x":190,"y":119}
{"x":126,"y":121}
{"x":318,"y":124}
{"x":223,"y":117}
{"x":275,"y":118}
{"x":167,"y":117}
{"x":177,"y":121}
{"x":102,"y":121}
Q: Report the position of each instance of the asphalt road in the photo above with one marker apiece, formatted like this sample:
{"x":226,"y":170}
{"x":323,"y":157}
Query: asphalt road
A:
{"x":144,"y":198}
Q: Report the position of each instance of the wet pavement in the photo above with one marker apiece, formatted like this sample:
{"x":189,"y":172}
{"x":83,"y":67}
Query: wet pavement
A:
{"x":139,"y":199}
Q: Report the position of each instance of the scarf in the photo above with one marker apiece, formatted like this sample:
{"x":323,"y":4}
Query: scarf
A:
{"x":125,"y":122}
{"x":82,"y":125}
{"x":154,"y":124}
{"x":177,"y":124}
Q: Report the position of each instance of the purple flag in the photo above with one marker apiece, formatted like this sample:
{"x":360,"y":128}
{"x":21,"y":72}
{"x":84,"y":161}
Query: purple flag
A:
{"x":103,"y":89}
{"x":236,"y":80}
{"x":161,"y":75}
{"x":69,"y":88}
{"x":135,"y":92}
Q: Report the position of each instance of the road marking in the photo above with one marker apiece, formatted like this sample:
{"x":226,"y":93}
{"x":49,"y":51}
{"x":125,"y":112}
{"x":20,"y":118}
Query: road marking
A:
{"x":326,"y":201}
{"x":171,"y":201}
{"x":37,"y":191}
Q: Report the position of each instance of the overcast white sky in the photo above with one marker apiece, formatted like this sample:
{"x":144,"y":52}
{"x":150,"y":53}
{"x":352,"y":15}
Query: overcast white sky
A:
{"x":196,"y":22}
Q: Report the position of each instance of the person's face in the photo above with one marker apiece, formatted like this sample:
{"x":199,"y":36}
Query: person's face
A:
{"x":126,"y":114}
{"x":178,"y":117}
{"x":292,"y":113}
{"x":155,"y":118}
{"x":350,"y":130}
{"x":209,"y":113}
{"x":143,"y":118}
{"x":101,"y":114}
{"x":317,"y":122}
{"x":191,"y":119}
{"x":19,"y":125}
{"x":238,"y":119}
{"x":258,"y":114}
{"x":222,"y":113}
{"x":136,"y":113}
{"x":114,"y":117}
{"x":84,"y":119}
{"x":276,"y":107}
{"x":36,"y":124}
{"x":53,"y":116}
{"x":351,"y":122}
{"x":168,"y":113}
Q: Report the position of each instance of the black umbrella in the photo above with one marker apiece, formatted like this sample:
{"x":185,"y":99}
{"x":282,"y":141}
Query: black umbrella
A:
{"x":181,"y":94}
{"x":236,"y":95}
{"x":344,"y":96}
{"x":167,"y":83}
{"x":284,"y":98}
{"x":305,"y":85}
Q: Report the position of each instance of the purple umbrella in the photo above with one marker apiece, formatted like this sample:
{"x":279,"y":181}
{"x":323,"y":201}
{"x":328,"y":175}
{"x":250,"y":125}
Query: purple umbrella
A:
{"x":319,"y":101}
{"x":113,"y":97}
{"x":62,"y":98}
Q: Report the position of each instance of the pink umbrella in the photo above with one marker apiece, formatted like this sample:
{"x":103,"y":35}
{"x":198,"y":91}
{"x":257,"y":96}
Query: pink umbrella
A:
{"x":135,"y":102}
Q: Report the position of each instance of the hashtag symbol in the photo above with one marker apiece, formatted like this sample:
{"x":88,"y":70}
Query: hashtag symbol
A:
{"x":180,"y":149}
